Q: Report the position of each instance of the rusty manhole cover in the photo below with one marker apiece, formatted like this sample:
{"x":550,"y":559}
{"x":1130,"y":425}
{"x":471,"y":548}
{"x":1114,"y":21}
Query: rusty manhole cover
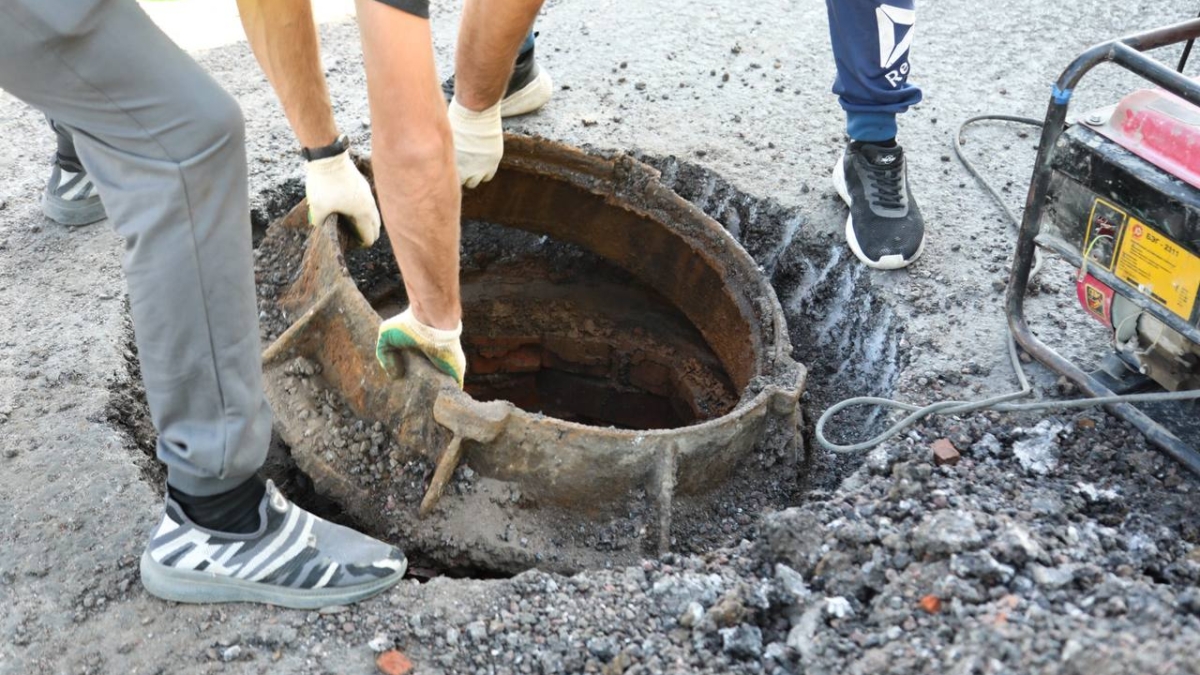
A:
{"x":625,"y":356}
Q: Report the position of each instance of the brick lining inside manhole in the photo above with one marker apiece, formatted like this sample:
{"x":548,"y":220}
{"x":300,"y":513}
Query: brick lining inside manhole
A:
{"x":626,"y":359}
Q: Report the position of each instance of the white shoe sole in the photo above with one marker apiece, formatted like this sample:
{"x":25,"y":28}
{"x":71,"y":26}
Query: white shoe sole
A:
{"x":72,"y":212}
{"x":887,"y":262}
{"x":191,"y":586}
{"x":530,"y":97}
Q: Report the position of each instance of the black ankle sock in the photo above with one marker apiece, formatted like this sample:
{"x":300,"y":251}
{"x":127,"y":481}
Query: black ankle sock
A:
{"x":234,"y":511}
{"x":889,"y":143}
{"x":69,"y":163}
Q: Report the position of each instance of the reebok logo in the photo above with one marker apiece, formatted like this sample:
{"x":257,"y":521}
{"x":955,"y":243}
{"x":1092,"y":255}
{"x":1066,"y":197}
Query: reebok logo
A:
{"x":885,"y":159}
{"x":895,"y":37}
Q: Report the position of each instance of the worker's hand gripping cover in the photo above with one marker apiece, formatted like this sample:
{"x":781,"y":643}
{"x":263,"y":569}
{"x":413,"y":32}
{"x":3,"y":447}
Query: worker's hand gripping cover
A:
{"x":478,"y":142}
{"x":334,"y":185}
{"x":441,"y":347}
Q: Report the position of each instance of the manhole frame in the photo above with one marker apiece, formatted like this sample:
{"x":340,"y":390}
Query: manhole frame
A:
{"x":566,"y":464}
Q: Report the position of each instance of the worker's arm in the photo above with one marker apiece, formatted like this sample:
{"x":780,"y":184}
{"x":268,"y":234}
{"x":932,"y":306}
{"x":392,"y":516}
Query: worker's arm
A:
{"x":489,"y":37}
{"x":283,"y":36}
{"x":412,"y":153}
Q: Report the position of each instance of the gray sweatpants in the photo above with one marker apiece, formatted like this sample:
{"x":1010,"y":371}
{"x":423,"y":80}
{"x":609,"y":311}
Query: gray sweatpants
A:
{"x":165,"y":147}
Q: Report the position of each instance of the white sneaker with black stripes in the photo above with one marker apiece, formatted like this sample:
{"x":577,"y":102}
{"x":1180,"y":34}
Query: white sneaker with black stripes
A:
{"x":295,"y":559}
{"x":70,"y":197}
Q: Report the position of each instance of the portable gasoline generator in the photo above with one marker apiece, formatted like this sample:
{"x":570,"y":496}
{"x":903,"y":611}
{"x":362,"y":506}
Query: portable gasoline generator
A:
{"x":1117,"y":194}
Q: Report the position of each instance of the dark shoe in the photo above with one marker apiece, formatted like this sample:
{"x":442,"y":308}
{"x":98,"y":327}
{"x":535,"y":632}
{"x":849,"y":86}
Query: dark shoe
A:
{"x":529,"y":88}
{"x":295,"y":559}
{"x":70,"y":197}
{"x":885,"y":229}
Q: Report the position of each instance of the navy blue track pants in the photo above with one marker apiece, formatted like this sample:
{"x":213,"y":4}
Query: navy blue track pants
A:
{"x":871,"y":41}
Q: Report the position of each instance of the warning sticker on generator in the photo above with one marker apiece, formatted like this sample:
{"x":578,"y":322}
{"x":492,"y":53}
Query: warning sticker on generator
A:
{"x":1159,"y":267}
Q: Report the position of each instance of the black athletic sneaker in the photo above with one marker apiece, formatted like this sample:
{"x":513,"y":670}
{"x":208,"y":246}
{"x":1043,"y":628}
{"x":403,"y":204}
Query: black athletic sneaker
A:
{"x":529,"y":88}
{"x":295,"y":559}
{"x":885,"y":229}
{"x":70,"y":197}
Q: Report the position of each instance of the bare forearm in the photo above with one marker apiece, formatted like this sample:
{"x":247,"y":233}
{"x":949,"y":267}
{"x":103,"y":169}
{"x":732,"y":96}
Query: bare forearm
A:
{"x":488,"y":40}
{"x":424,"y":232}
{"x":283,"y":35}
{"x":413,"y":159}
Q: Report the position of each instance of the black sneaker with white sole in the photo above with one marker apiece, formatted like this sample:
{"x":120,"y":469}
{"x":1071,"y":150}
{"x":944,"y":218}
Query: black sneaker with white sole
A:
{"x":884,"y":229}
{"x":529,"y":88}
{"x":295,"y":559}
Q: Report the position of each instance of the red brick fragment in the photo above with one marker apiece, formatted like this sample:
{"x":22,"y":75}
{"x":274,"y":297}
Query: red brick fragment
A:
{"x":944,"y":452}
{"x":579,"y":352}
{"x":652,"y":377}
{"x":931,"y":604}
{"x":393,"y":662}
{"x":526,"y":359}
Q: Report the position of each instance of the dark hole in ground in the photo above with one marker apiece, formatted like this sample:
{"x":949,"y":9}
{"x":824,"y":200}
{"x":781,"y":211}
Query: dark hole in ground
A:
{"x":847,"y":336}
{"x":555,"y":329}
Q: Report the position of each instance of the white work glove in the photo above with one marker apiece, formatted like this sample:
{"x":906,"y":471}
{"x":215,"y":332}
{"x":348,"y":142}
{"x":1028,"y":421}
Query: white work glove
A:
{"x":478,"y":142}
{"x":441,"y":347}
{"x":334,"y":185}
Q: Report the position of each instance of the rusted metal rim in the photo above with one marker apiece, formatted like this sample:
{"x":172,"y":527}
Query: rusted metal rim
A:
{"x":615,"y":207}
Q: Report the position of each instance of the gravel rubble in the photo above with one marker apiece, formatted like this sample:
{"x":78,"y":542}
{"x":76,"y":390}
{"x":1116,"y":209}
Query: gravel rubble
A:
{"x":983,"y":567}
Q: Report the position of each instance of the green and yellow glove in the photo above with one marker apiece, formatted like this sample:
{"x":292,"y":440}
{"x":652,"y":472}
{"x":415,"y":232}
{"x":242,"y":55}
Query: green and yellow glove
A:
{"x":441,"y":347}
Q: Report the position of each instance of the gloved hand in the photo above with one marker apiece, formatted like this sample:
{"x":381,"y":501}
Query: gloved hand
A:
{"x":441,"y":347}
{"x":334,"y":185}
{"x":478,"y":142}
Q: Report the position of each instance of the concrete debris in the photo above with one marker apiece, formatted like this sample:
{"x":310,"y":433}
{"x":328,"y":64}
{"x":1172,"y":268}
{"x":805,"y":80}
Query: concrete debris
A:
{"x":1052,"y":577}
{"x":380,"y":643}
{"x":838,"y":608}
{"x":742,"y":642}
{"x":1037,"y":449}
{"x":945,"y":533}
{"x":791,"y":584}
{"x":692,"y":615}
{"x":987,"y":446}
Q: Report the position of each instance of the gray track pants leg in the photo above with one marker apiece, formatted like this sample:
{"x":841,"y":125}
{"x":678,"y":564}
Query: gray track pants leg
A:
{"x":165,"y":147}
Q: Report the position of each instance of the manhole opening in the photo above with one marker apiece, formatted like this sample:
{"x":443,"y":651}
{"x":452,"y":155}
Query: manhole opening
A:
{"x":557,"y":330}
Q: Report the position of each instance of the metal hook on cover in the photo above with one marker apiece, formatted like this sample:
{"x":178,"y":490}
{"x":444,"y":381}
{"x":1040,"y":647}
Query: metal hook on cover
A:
{"x":466,"y":419}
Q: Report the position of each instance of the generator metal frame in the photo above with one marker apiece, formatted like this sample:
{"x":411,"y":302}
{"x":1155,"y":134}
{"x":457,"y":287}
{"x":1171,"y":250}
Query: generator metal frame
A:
{"x":1127,"y":53}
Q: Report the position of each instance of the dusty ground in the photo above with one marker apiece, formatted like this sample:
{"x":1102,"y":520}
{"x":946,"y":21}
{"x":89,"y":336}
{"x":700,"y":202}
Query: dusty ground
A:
{"x":1086,"y":563}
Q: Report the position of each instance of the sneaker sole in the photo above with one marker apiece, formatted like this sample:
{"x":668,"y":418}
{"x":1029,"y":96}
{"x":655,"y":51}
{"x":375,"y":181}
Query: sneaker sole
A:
{"x":887,"y":262}
{"x":529,"y":98}
{"x":190,"y":586}
{"x":72,"y":213}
